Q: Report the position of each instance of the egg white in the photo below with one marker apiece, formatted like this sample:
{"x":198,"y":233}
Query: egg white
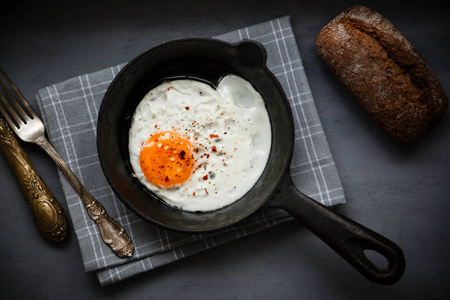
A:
{"x":229,"y":126}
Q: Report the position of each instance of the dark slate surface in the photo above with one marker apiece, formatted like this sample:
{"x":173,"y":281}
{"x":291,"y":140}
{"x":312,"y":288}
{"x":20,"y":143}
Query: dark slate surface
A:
{"x":400,"y":192}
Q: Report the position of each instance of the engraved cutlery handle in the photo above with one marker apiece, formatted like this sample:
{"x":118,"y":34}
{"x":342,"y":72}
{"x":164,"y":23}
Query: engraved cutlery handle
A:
{"x":46,"y":211}
{"x":112,"y":232}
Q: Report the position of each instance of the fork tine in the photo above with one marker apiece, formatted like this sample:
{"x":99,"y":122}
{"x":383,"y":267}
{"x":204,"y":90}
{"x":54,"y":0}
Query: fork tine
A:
{"x":25,"y":115}
{"x":8,"y":112}
{"x":5,"y":115}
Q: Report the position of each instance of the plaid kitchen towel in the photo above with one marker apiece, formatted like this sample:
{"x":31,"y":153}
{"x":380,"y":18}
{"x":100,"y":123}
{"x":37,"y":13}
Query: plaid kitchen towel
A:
{"x":70,"y":109}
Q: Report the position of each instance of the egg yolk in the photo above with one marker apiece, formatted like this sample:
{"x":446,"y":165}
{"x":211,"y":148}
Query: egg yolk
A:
{"x":166,"y":159}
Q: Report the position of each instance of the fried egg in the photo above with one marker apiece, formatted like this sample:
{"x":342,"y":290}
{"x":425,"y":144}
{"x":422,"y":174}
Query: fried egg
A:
{"x":197,"y":147}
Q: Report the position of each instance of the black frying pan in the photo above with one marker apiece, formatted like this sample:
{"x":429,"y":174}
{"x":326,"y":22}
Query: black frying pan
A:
{"x":209,"y":60}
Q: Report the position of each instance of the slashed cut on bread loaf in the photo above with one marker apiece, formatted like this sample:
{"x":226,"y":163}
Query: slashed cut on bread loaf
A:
{"x":382,"y":70}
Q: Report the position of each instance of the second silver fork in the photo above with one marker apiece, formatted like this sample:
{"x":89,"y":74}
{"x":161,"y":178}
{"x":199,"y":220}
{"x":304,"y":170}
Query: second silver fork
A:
{"x":28,"y":126}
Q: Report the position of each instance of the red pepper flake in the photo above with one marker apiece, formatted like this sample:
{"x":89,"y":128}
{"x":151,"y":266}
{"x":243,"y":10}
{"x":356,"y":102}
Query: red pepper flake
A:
{"x":193,"y":194}
{"x":206,"y":191}
{"x":187,"y":107}
{"x":205,"y":177}
{"x":214,"y":149}
{"x":211,"y":136}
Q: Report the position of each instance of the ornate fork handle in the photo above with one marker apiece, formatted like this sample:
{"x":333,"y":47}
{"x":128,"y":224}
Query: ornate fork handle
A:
{"x":112,"y":232}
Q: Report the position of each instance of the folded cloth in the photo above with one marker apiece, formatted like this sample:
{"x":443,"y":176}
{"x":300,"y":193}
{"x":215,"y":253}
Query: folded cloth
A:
{"x":69,"y":110}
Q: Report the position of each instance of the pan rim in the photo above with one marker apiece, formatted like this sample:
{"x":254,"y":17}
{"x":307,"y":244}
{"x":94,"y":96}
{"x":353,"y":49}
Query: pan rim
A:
{"x":102,"y":148}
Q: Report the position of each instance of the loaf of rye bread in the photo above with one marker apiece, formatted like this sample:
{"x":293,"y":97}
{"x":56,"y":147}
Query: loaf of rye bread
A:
{"x":383,"y":71}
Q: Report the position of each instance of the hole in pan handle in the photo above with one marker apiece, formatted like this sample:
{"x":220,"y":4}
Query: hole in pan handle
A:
{"x":347,"y":237}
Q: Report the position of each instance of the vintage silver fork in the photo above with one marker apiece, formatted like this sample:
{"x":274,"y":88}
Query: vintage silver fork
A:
{"x":28,"y":126}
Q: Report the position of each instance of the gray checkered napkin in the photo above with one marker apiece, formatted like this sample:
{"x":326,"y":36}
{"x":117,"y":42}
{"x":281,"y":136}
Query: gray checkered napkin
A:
{"x":70,"y":109}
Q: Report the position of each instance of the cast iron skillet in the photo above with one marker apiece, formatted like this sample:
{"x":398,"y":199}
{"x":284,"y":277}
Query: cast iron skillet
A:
{"x":209,"y":60}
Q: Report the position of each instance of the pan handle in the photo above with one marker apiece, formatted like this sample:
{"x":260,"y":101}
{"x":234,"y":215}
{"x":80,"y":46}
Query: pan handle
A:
{"x":348,"y":238}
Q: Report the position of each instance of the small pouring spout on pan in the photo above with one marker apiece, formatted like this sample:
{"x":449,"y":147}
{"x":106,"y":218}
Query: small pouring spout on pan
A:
{"x":345,"y":236}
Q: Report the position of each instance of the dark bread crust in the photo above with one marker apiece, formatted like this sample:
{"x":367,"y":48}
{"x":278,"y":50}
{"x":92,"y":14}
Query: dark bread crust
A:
{"x":382,"y":70}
